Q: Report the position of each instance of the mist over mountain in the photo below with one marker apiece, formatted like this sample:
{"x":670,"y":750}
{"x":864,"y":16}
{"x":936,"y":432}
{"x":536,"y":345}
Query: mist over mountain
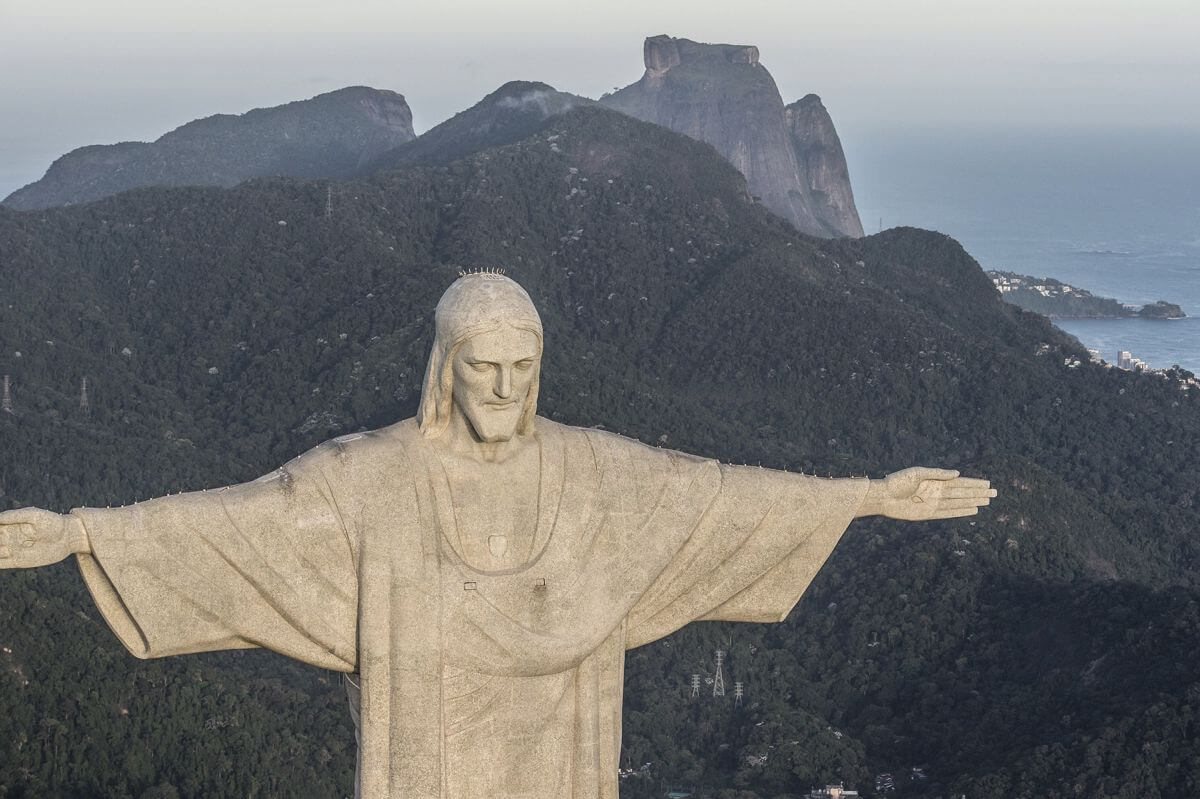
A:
{"x":1044,"y":648}
{"x":512,"y":112}
{"x":330,"y":135}
{"x":722,"y":94}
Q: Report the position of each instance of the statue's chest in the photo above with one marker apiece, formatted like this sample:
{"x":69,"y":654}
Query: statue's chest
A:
{"x":494,"y":514}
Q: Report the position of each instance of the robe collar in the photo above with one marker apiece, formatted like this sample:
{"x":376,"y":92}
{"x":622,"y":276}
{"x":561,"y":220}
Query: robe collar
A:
{"x":551,"y":474}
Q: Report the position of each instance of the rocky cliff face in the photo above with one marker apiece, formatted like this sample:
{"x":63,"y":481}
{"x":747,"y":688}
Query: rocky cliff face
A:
{"x":331,"y":135}
{"x":722,"y":94}
{"x":822,"y":163}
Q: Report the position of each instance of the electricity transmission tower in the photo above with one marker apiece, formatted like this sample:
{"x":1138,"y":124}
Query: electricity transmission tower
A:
{"x":695,"y":686}
{"x":84,"y":404}
{"x":738,"y":692}
{"x":329,"y":201}
{"x":6,"y":400}
{"x":719,"y":677}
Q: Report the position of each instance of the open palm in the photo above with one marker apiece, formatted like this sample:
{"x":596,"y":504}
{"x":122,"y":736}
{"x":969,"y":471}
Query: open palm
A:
{"x":921,"y":494}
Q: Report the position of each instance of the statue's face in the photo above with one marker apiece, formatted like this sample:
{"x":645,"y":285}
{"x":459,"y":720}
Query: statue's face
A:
{"x":493,"y":373}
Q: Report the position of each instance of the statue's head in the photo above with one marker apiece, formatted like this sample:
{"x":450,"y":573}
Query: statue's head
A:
{"x":486,"y":359}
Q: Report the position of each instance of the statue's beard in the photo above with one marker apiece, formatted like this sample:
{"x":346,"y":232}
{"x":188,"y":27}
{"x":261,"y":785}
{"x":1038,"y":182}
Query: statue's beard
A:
{"x":492,"y":422}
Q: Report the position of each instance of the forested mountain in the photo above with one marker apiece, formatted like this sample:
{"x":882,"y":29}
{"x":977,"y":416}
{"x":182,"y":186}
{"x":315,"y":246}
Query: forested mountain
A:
{"x":1041,"y":649}
{"x":331,"y":135}
{"x":515,"y":110}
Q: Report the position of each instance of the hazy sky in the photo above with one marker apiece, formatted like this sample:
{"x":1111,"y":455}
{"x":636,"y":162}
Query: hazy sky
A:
{"x":76,"y":73}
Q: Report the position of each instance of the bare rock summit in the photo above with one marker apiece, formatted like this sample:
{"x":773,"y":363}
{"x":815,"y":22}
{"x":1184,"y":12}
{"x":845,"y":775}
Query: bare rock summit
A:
{"x":821,"y":161}
{"x":722,"y":94}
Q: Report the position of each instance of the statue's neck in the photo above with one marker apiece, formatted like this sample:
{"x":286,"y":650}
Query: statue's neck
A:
{"x":492,"y":503}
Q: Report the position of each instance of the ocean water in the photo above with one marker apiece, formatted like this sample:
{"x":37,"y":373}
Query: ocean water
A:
{"x":1114,"y":212}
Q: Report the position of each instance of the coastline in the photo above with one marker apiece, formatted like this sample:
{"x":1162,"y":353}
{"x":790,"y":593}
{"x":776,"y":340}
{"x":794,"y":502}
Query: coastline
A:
{"x":1161,"y":347}
{"x":1057,"y":317}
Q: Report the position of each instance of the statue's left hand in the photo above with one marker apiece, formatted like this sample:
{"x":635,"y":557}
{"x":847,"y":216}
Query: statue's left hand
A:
{"x":32,"y":537}
{"x":920,"y":494}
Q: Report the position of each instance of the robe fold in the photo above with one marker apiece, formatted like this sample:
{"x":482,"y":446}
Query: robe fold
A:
{"x":473,"y":683}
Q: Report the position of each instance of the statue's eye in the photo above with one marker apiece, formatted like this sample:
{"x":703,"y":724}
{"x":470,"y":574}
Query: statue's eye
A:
{"x":481,"y":366}
{"x":523,"y":366}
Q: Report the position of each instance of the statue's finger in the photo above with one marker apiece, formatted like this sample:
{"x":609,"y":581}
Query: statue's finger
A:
{"x":970,"y":482}
{"x":966,"y":493}
{"x":927,"y":473}
{"x":950,"y":504}
{"x":955,"y":514}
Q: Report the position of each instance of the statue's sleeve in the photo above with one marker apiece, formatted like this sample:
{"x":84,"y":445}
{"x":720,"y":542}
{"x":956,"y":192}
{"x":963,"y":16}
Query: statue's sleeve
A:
{"x":269,"y":563}
{"x":755,"y":540}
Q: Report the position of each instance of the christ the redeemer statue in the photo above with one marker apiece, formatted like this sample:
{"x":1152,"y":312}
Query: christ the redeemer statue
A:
{"x":478,"y":571}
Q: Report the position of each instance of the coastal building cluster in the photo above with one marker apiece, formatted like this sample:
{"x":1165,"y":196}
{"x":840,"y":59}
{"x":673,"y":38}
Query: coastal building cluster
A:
{"x":1057,"y":300}
{"x":1127,"y":361}
{"x":1006,"y":283}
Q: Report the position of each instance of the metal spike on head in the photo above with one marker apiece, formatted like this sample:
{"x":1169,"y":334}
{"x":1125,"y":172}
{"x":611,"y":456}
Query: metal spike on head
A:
{"x":482,"y":270}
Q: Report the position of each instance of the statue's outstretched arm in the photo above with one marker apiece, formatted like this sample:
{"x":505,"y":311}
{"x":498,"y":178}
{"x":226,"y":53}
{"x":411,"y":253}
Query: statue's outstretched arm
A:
{"x":32,"y":537}
{"x":269,"y":563}
{"x":921,"y":494}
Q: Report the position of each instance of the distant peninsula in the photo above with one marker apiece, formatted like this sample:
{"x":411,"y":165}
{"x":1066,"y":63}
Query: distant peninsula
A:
{"x":1059,"y":300}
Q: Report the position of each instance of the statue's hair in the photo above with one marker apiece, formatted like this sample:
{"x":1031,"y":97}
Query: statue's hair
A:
{"x":478,"y":302}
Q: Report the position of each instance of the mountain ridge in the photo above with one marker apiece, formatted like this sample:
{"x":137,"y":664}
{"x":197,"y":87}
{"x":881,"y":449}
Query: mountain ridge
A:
{"x":329,"y":135}
{"x":510,"y":113}
{"x":719,"y":93}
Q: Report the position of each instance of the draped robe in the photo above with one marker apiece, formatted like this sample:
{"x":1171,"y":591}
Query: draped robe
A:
{"x":473,"y":683}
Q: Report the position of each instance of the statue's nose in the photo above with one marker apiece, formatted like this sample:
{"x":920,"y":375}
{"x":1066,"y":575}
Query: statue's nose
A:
{"x":503,"y":387}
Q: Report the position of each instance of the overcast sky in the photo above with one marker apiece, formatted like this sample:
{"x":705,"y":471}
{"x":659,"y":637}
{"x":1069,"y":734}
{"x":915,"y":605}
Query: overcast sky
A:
{"x":100,"y":71}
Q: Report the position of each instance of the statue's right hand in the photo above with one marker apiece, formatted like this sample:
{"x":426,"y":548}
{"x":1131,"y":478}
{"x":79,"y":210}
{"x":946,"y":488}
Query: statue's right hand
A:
{"x":33,"y":537}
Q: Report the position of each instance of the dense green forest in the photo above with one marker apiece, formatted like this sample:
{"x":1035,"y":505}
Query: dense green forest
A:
{"x":1041,"y":649}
